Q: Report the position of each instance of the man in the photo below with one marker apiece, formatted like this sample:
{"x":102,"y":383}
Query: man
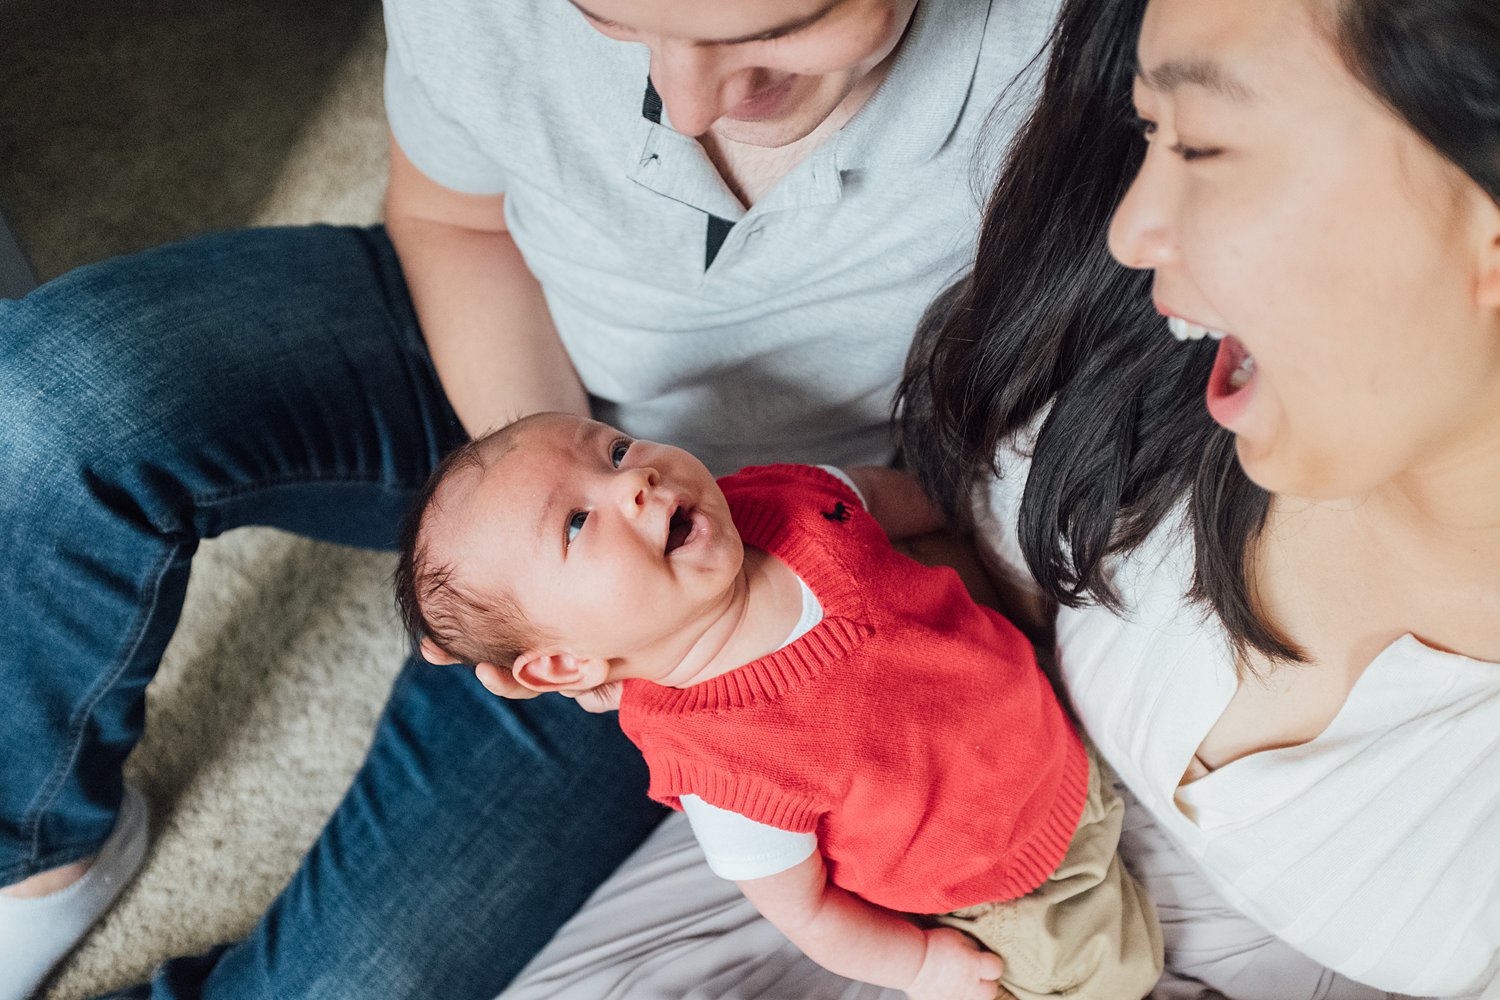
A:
{"x":730,"y":256}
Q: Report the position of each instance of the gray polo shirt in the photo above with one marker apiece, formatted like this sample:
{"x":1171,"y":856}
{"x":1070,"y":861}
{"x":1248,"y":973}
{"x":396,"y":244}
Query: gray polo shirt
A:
{"x":789,"y":345}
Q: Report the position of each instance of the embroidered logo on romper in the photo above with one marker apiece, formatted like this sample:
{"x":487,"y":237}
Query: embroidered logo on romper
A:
{"x":840,"y":513}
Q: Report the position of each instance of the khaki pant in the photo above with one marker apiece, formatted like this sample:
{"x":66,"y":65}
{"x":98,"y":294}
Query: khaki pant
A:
{"x":1089,"y":932}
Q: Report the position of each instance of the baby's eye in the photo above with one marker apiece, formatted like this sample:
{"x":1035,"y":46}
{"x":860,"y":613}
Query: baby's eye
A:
{"x":575,"y":524}
{"x":617,"y":452}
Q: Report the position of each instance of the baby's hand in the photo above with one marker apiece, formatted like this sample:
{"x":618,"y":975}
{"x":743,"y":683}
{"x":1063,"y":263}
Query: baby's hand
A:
{"x":955,"y":968}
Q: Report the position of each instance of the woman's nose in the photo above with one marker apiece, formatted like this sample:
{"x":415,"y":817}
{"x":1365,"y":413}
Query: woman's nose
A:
{"x":1142,"y":233}
{"x":697,"y":83}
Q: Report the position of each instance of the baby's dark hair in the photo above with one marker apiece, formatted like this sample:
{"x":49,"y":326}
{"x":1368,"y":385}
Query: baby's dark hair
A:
{"x":432,"y":601}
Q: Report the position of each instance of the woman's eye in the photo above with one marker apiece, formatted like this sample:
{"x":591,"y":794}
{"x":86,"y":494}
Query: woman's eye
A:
{"x":1147,"y":128}
{"x":1191,"y":153}
{"x":617,"y":452}
{"x":575,"y":524}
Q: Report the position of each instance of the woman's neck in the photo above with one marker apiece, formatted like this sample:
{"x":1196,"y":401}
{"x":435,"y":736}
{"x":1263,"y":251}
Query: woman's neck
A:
{"x":1443,"y":516}
{"x":1419,"y":555}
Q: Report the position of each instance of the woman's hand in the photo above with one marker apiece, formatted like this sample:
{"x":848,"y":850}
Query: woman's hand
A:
{"x":955,"y":968}
{"x":604,"y":698}
{"x":496,"y":681}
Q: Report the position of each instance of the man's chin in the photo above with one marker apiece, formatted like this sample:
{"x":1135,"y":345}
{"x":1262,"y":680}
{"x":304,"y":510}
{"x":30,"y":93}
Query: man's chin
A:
{"x":766,"y":134}
{"x":790,"y":125}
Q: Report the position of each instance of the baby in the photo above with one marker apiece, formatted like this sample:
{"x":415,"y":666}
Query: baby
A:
{"x":852,"y":738}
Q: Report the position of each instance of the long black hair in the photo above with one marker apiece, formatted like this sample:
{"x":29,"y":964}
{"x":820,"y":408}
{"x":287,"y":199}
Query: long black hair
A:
{"x":1048,"y":319}
{"x":1437,"y":65}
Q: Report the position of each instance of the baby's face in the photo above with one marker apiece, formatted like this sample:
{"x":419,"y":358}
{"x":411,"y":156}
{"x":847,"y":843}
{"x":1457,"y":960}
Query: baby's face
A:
{"x":612,"y":544}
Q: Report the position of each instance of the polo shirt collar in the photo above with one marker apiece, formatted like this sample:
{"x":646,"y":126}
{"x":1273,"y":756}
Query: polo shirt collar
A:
{"x":906,"y":121}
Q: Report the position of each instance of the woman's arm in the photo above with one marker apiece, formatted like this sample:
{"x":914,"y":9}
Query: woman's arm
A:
{"x":918,"y":528}
{"x":858,"y":940}
{"x":481,"y":311}
{"x":896,"y":501}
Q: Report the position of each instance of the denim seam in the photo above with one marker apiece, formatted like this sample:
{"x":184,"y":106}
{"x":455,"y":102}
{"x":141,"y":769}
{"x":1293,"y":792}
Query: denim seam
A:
{"x":106,"y":682}
{"x":218,"y":497}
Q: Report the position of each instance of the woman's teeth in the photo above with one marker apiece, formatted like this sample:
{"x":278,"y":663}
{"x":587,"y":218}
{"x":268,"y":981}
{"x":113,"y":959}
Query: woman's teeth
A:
{"x":1183,"y":330}
{"x":1243,"y":373}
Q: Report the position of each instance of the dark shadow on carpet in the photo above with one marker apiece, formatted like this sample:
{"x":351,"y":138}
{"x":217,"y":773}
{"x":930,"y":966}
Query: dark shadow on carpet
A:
{"x":133,"y":122}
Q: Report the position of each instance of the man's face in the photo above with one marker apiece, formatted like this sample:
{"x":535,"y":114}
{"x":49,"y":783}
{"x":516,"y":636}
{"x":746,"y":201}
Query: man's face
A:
{"x":760,"y":72}
{"x":614,"y":545}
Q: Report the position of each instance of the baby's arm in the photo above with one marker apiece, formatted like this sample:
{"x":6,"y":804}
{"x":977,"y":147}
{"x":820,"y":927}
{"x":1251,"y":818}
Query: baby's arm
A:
{"x":858,"y":940}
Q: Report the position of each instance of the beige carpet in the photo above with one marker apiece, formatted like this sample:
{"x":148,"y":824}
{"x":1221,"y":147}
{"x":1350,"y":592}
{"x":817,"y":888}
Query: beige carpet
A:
{"x":130,"y":123}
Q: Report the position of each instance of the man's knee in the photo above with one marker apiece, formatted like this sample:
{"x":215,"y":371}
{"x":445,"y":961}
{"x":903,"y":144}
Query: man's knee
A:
{"x":83,"y":393}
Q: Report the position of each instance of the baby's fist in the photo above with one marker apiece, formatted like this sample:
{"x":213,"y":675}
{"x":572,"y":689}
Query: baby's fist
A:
{"x":955,"y":968}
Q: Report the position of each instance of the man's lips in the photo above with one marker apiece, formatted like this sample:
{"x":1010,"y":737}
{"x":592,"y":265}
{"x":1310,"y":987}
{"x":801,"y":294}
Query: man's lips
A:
{"x":763,"y":103}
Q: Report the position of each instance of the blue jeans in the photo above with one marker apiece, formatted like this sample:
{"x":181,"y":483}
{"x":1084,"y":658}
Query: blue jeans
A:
{"x":271,"y":377}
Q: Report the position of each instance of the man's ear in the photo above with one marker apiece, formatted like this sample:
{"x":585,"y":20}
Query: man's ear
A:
{"x":555,"y":670}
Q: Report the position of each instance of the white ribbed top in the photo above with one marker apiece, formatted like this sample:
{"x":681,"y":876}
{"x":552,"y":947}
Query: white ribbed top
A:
{"x":1374,"y":848}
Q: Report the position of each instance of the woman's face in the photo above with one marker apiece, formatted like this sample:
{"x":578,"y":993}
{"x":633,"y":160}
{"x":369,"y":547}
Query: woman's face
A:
{"x":1354,"y":271}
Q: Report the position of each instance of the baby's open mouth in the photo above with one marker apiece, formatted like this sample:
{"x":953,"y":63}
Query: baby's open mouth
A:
{"x":679,"y":528}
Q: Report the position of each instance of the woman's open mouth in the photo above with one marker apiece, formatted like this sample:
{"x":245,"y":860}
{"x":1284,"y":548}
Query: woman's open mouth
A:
{"x":1232,"y":382}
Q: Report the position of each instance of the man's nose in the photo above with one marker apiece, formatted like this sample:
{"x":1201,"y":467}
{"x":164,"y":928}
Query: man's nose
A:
{"x":697,"y":83}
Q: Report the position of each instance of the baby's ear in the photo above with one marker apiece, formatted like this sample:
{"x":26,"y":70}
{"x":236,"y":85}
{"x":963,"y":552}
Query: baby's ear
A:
{"x":558,"y":671}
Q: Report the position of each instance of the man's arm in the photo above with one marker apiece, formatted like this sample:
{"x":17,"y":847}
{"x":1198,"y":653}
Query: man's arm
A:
{"x":858,"y":940}
{"x":482,"y":313}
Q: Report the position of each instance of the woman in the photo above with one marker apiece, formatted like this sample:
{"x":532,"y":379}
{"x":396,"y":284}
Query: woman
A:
{"x":1280,"y":611}
{"x":1275,"y":539}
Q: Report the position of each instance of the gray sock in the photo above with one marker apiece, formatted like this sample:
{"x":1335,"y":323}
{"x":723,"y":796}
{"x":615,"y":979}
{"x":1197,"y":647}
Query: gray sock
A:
{"x":36,"y":933}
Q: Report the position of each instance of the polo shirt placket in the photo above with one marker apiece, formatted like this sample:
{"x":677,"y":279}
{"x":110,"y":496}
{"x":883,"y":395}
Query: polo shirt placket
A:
{"x":676,"y":166}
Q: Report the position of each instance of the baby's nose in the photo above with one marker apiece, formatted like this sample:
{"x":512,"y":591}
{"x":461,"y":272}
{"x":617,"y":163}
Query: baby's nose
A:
{"x":636,"y":487}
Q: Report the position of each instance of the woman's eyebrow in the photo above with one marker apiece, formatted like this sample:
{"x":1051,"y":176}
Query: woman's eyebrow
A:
{"x":1176,"y":73}
{"x":776,"y":31}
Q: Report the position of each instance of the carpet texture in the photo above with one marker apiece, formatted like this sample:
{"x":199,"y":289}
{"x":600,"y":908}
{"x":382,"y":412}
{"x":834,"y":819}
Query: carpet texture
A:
{"x":127,"y":124}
